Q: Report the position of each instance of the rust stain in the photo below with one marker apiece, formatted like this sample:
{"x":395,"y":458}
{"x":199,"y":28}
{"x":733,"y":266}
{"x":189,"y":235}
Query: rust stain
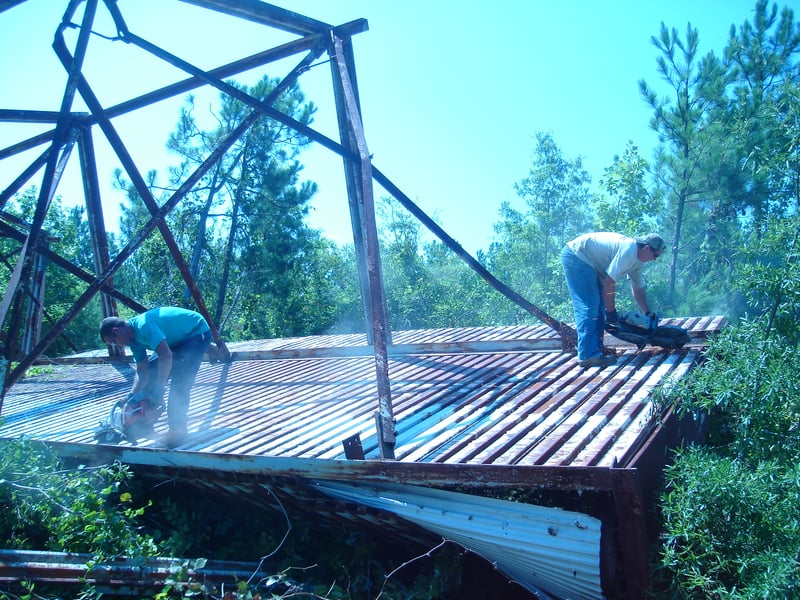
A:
{"x":500,"y":405}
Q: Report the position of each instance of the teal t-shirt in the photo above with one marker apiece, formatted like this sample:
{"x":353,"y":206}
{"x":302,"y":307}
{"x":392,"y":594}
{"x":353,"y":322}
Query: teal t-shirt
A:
{"x":165,"y":323}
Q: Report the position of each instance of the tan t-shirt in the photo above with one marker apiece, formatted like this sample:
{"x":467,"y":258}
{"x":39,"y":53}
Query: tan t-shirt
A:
{"x":611,"y":254}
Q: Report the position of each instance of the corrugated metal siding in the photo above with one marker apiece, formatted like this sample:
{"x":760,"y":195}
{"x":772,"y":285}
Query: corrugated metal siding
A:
{"x":488,"y":407}
{"x":548,"y":550}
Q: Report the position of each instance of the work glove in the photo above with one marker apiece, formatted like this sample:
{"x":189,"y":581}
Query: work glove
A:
{"x":612,"y":318}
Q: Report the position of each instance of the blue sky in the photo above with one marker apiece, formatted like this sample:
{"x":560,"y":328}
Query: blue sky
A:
{"x":453,"y":92}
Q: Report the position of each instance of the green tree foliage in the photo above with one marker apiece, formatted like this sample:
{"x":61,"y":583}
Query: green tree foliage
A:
{"x":150,"y":275}
{"x":263,"y":271}
{"x":770,"y":275}
{"x":761,"y":56}
{"x":557,"y":200}
{"x":630,"y":206}
{"x":66,"y":233}
{"x":688,"y":132}
{"x":730,"y":509}
{"x":463,"y":298}
{"x":728,"y":149}
{"x":107,"y":513}
{"x":428,"y":286}
{"x":409,"y":293}
{"x":731,"y":528}
{"x":46,"y":506}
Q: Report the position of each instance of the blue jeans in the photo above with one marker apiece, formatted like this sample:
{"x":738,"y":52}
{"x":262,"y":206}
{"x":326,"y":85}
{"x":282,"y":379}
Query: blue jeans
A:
{"x":585,"y":291}
{"x":186,"y":359}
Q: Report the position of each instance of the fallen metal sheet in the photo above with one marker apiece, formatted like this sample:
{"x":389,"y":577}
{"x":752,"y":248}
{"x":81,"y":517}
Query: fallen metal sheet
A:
{"x":546,"y":550}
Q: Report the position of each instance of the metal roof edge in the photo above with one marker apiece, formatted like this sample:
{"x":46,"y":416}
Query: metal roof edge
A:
{"x":564,"y":478}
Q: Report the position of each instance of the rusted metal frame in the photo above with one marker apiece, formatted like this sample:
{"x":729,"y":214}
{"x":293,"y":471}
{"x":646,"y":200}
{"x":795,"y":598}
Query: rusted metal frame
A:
{"x":13,"y":298}
{"x":352,"y":184}
{"x":262,"y":106}
{"x":380,"y":328}
{"x":285,"y":83}
{"x":233,"y":68}
{"x":70,"y":569}
{"x":133,"y":244}
{"x":631,"y":531}
{"x":33,"y":331}
{"x":29,"y":172}
{"x":256,"y":60}
{"x":63,"y":139}
{"x":6,"y":4}
{"x":37,"y":164}
{"x":37,"y":140}
{"x":141,"y":187}
{"x":41,"y":251}
{"x":268,"y":110}
{"x":568,"y":335}
{"x":166,"y":92}
{"x":33,"y":320}
{"x":29,"y":116}
{"x":11,"y":233}
{"x":445,"y":476}
{"x":564,"y":330}
{"x":353,"y":187}
{"x":76,"y":62}
{"x":96,"y":221}
{"x":265,"y":14}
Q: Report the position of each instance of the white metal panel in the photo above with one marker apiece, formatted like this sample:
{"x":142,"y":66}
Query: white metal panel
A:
{"x":549,"y":551}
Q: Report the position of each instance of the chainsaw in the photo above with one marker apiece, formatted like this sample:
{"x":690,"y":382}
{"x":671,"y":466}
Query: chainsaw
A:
{"x":639,"y":329}
{"x":132,"y":417}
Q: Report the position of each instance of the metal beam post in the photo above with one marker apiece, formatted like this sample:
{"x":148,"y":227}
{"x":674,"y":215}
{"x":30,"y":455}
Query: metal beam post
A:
{"x":360,"y":192}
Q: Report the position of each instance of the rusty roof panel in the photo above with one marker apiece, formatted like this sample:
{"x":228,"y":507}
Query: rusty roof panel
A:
{"x":504,"y":407}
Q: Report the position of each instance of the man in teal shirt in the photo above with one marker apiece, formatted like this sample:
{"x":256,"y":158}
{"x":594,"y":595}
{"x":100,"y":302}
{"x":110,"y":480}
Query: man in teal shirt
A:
{"x":178,"y":338}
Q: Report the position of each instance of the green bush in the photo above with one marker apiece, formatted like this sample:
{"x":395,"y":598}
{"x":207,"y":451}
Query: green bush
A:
{"x":106,"y":512}
{"x":80,"y":510}
{"x":732,"y":529}
{"x":731,"y":525}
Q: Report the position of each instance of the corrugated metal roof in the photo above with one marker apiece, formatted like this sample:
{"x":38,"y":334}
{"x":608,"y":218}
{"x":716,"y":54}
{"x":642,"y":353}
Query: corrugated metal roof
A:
{"x":474,"y":407}
{"x":490,"y":404}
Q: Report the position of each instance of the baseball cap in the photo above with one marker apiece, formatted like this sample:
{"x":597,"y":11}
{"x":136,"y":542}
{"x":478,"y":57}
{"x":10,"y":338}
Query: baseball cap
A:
{"x":654,"y":241}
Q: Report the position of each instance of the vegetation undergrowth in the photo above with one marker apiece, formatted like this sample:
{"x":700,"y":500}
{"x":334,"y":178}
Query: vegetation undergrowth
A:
{"x":730,"y":508}
{"x":107,"y":512}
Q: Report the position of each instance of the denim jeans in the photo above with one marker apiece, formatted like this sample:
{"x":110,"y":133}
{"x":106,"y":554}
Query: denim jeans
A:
{"x":585,"y":291}
{"x":186,"y":359}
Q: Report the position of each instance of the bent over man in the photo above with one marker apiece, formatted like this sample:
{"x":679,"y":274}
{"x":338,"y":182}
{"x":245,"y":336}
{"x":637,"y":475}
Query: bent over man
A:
{"x":593,"y":264}
{"x":178,"y":338}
